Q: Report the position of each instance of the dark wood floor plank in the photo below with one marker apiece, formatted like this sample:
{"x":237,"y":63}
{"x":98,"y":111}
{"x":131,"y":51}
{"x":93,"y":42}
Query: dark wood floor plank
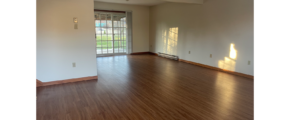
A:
{"x":148,"y":87}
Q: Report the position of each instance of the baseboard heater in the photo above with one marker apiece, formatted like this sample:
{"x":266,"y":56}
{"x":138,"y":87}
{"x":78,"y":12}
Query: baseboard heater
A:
{"x":173,"y":57}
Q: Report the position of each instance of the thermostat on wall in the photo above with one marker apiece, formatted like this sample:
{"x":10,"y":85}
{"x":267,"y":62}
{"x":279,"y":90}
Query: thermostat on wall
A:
{"x":75,"y":20}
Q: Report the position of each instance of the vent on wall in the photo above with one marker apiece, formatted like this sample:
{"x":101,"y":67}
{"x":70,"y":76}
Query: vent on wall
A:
{"x":173,"y":57}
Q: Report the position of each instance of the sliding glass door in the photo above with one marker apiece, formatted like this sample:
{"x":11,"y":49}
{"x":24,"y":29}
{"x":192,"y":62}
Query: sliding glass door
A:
{"x":110,"y":33}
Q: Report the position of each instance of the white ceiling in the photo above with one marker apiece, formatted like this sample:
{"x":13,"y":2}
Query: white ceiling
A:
{"x":150,"y":2}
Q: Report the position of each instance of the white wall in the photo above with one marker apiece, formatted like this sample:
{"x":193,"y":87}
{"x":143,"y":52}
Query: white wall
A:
{"x":206,"y":29}
{"x":59,"y":44}
{"x":140,"y":22}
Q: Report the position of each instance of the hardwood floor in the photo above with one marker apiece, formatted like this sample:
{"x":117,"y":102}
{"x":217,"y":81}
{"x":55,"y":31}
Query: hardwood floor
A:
{"x":148,"y":87}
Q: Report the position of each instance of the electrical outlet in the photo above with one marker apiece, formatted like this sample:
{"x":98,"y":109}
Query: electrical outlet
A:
{"x":74,"y":64}
{"x":188,"y":52}
{"x":249,"y":62}
{"x":210,"y":55}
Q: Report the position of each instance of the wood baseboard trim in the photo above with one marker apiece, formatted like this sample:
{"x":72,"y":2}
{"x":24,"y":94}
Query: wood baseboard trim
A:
{"x":218,"y":69}
{"x":153,"y":53}
{"x":139,"y":53}
{"x":38,"y":83}
{"x":68,"y":80}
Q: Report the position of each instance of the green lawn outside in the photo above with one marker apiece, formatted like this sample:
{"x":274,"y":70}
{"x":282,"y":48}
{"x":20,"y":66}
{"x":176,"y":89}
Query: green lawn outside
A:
{"x":107,"y":41}
{"x":109,"y":37}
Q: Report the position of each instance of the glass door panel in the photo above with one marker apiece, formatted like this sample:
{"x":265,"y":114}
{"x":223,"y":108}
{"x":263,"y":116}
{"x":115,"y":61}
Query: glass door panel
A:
{"x":110,"y":33}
